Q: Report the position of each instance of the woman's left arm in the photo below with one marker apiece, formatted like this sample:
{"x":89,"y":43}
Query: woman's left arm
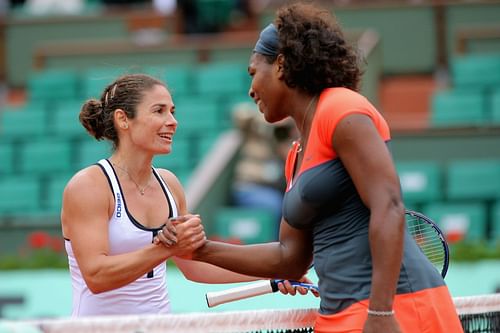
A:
{"x":368,"y":161}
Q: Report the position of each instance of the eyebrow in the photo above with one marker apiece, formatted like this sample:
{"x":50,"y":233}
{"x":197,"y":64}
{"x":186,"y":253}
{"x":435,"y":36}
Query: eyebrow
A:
{"x":163,"y":105}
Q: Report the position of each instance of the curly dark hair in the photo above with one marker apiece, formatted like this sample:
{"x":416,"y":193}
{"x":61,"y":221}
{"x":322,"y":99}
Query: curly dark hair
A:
{"x":316,"y":54}
{"x":125,"y":93}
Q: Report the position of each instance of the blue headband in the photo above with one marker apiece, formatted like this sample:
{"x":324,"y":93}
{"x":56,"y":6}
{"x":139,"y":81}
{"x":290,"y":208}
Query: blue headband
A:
{"x":268,"y":41}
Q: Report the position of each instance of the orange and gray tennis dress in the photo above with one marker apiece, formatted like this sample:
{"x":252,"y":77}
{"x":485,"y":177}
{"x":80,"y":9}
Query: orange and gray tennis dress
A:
{"x":323,"y":198}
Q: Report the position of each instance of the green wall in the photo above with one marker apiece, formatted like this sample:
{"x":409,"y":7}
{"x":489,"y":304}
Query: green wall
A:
{"x":408,"y":35}
{"x":24,"y":34}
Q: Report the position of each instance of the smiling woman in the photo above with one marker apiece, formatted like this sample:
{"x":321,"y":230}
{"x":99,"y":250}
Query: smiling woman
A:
{"x":122,"y":218}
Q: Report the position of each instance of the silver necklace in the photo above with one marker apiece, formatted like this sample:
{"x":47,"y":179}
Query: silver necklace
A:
{"x":306,"y":113}
{"x":141,"y":190}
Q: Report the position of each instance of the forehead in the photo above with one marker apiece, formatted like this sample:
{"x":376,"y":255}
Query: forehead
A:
{"x":157,"y":93}
{"x":257,"y":59}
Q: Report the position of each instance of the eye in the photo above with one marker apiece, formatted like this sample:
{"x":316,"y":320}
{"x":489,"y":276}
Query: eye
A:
{"x":159,"y":109}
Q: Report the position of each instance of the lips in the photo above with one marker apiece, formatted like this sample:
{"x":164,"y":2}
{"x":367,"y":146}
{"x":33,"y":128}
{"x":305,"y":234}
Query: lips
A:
{"x":166,"y":136}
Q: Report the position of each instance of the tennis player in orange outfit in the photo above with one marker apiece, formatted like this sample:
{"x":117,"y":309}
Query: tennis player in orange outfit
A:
{"x":343,"y":207}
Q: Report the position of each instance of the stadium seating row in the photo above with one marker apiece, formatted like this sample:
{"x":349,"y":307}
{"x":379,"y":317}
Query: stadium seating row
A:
{"x":466,"y":107}
{"x":210,"y":115}
{"x":199,"y":80}
{"x":463,"y":197}
{"x":460,"y":221}
{"x":48,"y":156}
{"x":474,"y":97}
{"x":425,"y":181}
{"x":33,"y":174}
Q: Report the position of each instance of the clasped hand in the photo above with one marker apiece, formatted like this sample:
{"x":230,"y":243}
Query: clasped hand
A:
{"x":182,"y":234}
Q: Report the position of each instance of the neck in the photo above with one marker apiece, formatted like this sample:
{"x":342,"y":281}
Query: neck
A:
{"x":137,"y":168}
{"x":309,"y":109}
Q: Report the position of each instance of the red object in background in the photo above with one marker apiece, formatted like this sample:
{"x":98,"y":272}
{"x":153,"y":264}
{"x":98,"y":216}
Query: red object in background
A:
{"x":454,"y":236}
{"x":56,"y":244}
{"x":39,"y":239}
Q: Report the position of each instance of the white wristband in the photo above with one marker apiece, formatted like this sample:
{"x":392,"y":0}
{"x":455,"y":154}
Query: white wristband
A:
{"x":380,"y":313}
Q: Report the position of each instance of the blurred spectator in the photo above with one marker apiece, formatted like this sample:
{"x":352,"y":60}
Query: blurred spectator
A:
{"x":16,"y":3}
{"x":166,"y":7}
{"x":51,"y":7}
{"x":212,"y":16}
{"x":259,"y":181}
{"x":4,"y":7}
{"x":125,"y":2}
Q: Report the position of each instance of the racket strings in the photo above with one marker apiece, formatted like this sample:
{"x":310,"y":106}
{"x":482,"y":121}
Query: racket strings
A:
{"x":428,"y":240}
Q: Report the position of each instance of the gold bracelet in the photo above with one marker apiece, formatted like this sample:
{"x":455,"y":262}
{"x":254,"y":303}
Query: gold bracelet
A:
{"x":380,"y":313}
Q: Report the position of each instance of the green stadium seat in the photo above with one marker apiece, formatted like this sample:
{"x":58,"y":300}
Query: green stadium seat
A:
{"x":19,"y":195}
{"x":213,"y":15}
{"x":179,"y":159}
{"x":230,"y":104}
{"x":455,"y":219}
{"x":23,"y":122}
{"x":184,"y":176}
{"x":205,"y":144}
{"x":249,"y":226}
{"x":495,"y":230}
{"x":179,"y":78}
{"x":473,"y":179}
{"x":221,"y":79}
{"x":52,"y":200}
{"x":196,"y":115}
{"x":6,"y":158}
{"x":421,"y":181}
{"x":95,"y":80}
{"x":90,"y":151}
{"x":53,"y":85}
{"x":451,"y":108}
{"x":476,"y":71}
{"x":64,"y":120}
{"x":45,"y":156}
{"x":495,"y":106}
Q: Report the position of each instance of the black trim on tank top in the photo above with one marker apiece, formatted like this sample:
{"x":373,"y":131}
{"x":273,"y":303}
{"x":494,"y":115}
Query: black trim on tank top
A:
{"x":151,"y":272}
{"x":130,"y":216}
{"x":107,"y":177}
{"x":162,"y":183}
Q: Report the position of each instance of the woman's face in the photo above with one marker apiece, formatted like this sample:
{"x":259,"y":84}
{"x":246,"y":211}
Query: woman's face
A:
{"x":154,"y":125}
{"x":266,"y":88}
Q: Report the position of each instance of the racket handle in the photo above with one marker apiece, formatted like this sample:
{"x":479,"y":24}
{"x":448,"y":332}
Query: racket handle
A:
{"x":249,"y":290}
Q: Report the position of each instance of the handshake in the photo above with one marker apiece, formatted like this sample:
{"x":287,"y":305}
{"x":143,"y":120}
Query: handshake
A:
{"x":183,"y":234}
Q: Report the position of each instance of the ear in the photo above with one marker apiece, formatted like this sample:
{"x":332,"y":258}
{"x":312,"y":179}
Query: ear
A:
{"x":121,"y":119}
{"x":280,"y":65}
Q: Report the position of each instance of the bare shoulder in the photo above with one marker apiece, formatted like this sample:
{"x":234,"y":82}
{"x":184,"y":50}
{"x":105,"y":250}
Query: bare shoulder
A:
{"x":90,"y":181}
{"x":171,"y":179}
{"x":175,"y":186}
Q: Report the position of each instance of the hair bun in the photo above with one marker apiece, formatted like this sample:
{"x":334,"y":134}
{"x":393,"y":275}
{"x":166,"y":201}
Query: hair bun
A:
{"x":92,"y":117}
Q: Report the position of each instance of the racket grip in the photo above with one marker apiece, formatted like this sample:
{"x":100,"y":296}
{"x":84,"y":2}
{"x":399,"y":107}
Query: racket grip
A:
{"x":249,"y":290}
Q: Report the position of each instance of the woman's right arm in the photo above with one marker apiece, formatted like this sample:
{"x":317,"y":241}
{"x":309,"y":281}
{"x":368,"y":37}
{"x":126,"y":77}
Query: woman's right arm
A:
{"x":289,"y":258}
{"x":87,"y":205}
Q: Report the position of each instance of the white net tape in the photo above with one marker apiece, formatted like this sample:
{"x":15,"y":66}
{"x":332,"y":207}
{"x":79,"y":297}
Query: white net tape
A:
{"x":196,"y":322}
{"x":220,"y":322}
{"x":477,"y":304}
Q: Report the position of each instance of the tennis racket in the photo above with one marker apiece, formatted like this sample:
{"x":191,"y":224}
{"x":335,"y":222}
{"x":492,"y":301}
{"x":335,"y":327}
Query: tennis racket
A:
{"x":430,"y":239}
{"x":424,"y":231}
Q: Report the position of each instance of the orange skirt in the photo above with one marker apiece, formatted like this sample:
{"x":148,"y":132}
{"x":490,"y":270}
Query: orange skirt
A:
{"x":425,"y":311}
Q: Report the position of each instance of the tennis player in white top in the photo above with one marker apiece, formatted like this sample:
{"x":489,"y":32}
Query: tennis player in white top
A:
{"x":117,"y":215}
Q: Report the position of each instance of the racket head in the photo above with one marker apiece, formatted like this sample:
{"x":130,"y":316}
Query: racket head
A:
{"x":430,"y":239}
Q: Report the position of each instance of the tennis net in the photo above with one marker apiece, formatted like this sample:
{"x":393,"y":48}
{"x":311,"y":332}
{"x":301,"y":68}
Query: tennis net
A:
{"x":479,"y":314}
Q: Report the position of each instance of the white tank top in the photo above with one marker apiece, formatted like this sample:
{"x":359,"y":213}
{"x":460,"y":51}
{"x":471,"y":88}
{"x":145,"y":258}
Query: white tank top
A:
{"x":146,"y":295}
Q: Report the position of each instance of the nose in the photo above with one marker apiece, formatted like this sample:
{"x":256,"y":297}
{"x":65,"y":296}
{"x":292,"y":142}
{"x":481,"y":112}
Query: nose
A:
{"x":170,"y":120}
{"x":251,"y":93}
